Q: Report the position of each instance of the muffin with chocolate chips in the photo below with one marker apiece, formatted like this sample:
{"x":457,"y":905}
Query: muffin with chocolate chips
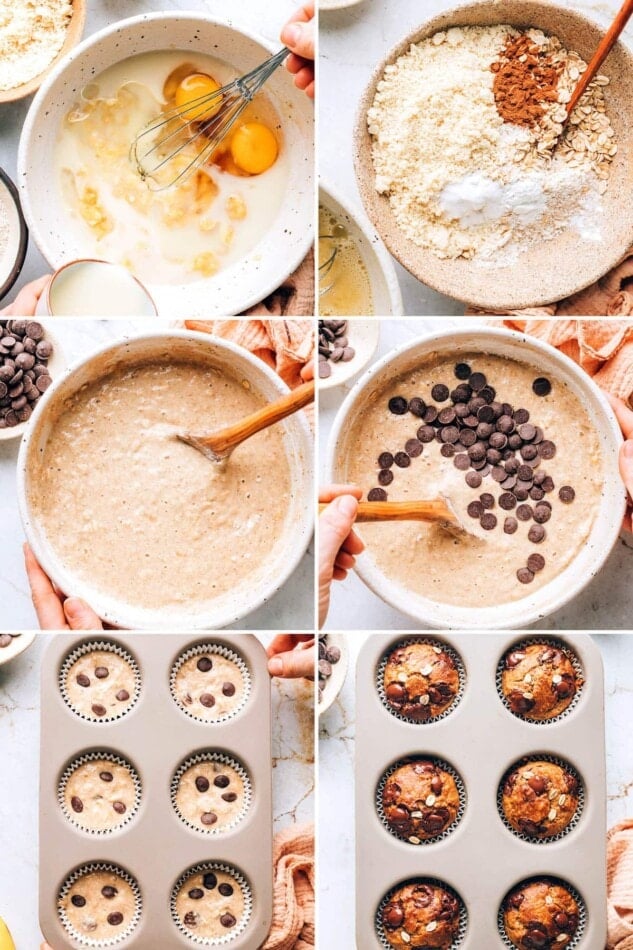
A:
{"x":421,"y":680}
{"x":211,"y":795}
{"x":210,"y":904}
{"x":209,"y":686}
{"x":100,"y":685}
{"x":540,"y":914}
{"x":540,"y":798}
{"x":421,"y":915}
{"x":539,"y":681}
{"x":101,"y":794}
{"x":420,"y":800}
{"x":100,"y":905}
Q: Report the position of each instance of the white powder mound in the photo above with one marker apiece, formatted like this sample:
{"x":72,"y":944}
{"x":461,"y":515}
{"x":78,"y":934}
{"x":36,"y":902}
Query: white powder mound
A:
{"x":32,"y":32}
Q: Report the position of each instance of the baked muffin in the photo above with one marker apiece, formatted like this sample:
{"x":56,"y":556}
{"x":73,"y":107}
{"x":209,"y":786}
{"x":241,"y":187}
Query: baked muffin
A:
{"x":421,"y":915}
{"x":539,"y":681}
{"x":540,"y":799}
{"x":541,"y":914}
{"x":421,"y":680}
{"x":420,"y":800}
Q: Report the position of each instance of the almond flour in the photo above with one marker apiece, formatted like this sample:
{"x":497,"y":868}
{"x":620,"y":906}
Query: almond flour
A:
{"x":32,"y":33}
{"x":463,"y":182}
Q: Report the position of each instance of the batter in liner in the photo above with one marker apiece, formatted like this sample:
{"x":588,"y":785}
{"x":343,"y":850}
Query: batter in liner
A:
{"x":100,"y":905}
{"x":210,"y":904}
{"x":210,"y":795}
{"x":209,"y":686}
{"x":100,"y":794}
{"x":100,"y":685}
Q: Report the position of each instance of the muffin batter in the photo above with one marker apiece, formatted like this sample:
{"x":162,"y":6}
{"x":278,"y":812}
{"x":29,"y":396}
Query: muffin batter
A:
{"x":210,"y":904}
{"x":100,"y":685}
{"x":100,"y":794}
{"x":209,"y":686}
{"x":100,"y":906}
{"x":210,"y":796}
{"x":395,"y":452}
{"x":145,"y":519}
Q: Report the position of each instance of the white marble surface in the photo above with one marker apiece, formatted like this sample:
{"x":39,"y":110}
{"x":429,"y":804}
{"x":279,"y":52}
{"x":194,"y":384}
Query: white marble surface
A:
{"x":101,"y":13}
{"x":293,"y":780}
{"x":353,"y":42}
{"x":336,"y":782}
{"x":604,"y":604}
{"x":291,"y":608}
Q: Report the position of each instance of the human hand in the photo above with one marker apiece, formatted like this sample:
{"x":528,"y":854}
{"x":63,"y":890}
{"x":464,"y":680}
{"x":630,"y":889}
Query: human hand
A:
{"x":54,"y":611}
{"x":46,"y":946}
{"x":625,"y":418}
{"x":25,"y":304}
{"x":298,"y":36}
{"x":338,"y":544}
{"x":292,"y":655}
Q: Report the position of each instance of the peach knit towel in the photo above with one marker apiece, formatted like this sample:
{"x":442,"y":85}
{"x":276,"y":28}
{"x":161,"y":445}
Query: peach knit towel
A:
{"x":293,"y":910}
{"x":603,"y":348}
{"x":620,"y":886}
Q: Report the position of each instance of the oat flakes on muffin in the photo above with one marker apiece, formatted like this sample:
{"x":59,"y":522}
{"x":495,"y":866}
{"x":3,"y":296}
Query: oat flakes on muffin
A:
{"x":420,"y":800}
{"x":539,"y":681}
{"x":540,"y":799}
{"x":421,"y":915}
{"x":540,"y":914}
{"x":421,"y":680}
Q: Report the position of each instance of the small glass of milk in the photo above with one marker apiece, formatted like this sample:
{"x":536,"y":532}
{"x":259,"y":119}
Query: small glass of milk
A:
{"x":91,"y":288}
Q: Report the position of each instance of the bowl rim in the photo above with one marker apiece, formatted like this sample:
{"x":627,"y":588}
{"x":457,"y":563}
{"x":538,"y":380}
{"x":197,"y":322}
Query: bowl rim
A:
{"x":391,"y":235}
{"x":527,"y":610}
{"x":374,"y":325}
{"x":22,"y":642}
{"x":342,"y":668}
{"x":374,"y":241}
{"x":23,"y":239}
{"x":115,"y":616}
{"x":17,"y":432}
{"x":303,"y":245}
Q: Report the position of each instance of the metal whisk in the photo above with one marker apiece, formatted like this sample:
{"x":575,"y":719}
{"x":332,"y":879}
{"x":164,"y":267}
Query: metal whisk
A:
{"x":156,"y":149}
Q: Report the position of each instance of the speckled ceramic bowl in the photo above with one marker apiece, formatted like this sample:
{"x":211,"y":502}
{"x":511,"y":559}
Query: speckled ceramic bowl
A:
{"x":551,"y":270}
{"x":298,"y":443}
{"x":534,"y":606}
{"x":290,"y":235}
{"x":13,"y":250}
{"x":56,"y":366}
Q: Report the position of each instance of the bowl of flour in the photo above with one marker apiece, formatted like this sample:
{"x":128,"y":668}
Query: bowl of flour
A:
{"x":467,"y":169}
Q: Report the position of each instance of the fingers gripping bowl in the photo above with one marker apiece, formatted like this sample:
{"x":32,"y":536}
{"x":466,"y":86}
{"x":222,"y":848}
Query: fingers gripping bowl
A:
{"x":527,"y":549}
{"x":142,"y":526}
{"x":245,"y":233}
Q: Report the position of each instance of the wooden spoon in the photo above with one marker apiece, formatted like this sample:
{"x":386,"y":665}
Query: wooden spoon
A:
{"x":606,"y":45}
{"x":436,"y":511}
{"x":218,"y":446}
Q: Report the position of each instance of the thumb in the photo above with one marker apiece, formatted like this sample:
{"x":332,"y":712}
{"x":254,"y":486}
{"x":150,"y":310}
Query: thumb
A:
{"x":334,"y":525}
{"x":299,"y":38}
{"x":293,"y":664}
{"x":80,"y":616}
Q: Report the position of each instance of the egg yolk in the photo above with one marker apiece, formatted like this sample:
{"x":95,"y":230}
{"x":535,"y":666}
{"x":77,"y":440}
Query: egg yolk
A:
{"x":254,"y":148}
{"x":192,"y":89}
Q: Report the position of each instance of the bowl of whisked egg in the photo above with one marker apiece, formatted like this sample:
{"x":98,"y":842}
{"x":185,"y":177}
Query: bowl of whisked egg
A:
{"x":210,"y":225}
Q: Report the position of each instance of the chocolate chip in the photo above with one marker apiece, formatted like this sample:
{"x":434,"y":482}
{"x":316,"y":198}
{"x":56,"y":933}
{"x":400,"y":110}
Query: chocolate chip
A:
{"x":536,"y":494}
{"x":123,"y":695}
{"x":196,"y":894}
{"x":487,"y":500}
{"x":402,"y":460}
{"x":521,"y":416}
{"x":115,"y":919}
{"x":450,"y":434}
{"x":385,"y":476}
{"x":561,"y":920}
{"x":109,"y":892}
{"x":209,"y":880}
{"x":202,"y":783}
{"x":228,"y":920}
{"x":78,"y":901}
{"x":208,"y":818}
{"x":83,"y":680}
{"x":510,"y":525}
{"x":488,"y":521}
{"x":547,"y":484}
{"x":536,"y":562}
{"x":102,"y":672}
{"x":426,"y":433}
{"x":477,"y":381}
{"x":207,"y":700}
{"x":106,"y":776}
{"x":228,"y":689}
{"x":221,"y":781}
{"x":76,"y":804}
{"x":498,"y":473}
{"x":524,"y":472}
{"x":229,"y":797}
{"x":440,"y":392}
{"x":430,"y":415}
{"x":225,"y":890}
{"x":547,"y":449}
{"x":191,"y":919}
{"x":398,"y":405}
{"x":462,"y":370}
{"x":536,"y":534}
{"x":204,"y":664}
{"x":566,"y":494}
{"x":447,"y":416}
{"x":385,"y":459}
{"x":325,"y":370}
{"x":541,"y":386}
{"x":525,"y":575}
{"x":119,"y":807}
{"x":473,"y":479}
{"x":524,"y":512}
{"x":98,"y":709}
{"x":520,"y":494}
{"x":475,"y":509}
{"x":477,"y":452}
{"x":461,"y":462}
{"x":377,"y":494}
{"x":542,"y":514}
{"x":507,"y":501}
{"x":35,"y":330}
{"x":417,"y":406}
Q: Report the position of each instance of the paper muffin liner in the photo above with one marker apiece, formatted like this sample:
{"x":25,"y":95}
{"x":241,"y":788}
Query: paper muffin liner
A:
{"x":433,"y":882}
{"x":107,"y":646}
{"x":93,"y":757}
{"x":215,"y":649}
{"x":461,"y":790}
{"x":554,"y":760}
{"x":434,"y":642}
{"x":225,"y":760}
{"x":557,"y":644}
{"x":82,"y":872}
{"x":241,"y":925}
{"x":582,"y":911}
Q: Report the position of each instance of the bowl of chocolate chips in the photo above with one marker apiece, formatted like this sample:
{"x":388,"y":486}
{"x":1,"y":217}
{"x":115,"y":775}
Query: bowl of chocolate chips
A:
{"x":29,"y":359}
{"x":523,"y":445}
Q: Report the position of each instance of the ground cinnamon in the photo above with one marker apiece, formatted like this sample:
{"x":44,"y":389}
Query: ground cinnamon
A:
{"x":526,"y":81}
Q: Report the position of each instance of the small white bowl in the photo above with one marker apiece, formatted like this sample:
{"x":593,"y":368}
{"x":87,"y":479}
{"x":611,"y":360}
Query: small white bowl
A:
{"x":12,"y":260}
{"x":326,"y":5}
{"x":334,"y":684}
{"x":20,"y":643}
{"x":290,"y":235}
{"x":56,"y":364}
{"x":385,"y":289}
{"x":363,"y":336}
{"x":611,"y":507}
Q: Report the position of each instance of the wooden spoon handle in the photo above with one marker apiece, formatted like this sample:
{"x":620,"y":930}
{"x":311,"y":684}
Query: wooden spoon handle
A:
{"x":435,"y":510}
{"x":606,"y":45}
{"x":267,"y":416}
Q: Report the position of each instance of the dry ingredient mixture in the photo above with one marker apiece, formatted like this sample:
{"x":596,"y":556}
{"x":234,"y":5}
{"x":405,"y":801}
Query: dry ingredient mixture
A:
{"x":465,"y":127}
{"x":32,"y":32}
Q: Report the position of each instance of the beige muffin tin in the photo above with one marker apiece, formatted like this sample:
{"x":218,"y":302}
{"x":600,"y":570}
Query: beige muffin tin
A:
{"x":481,"y":859}
{"x":155,"y":736}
